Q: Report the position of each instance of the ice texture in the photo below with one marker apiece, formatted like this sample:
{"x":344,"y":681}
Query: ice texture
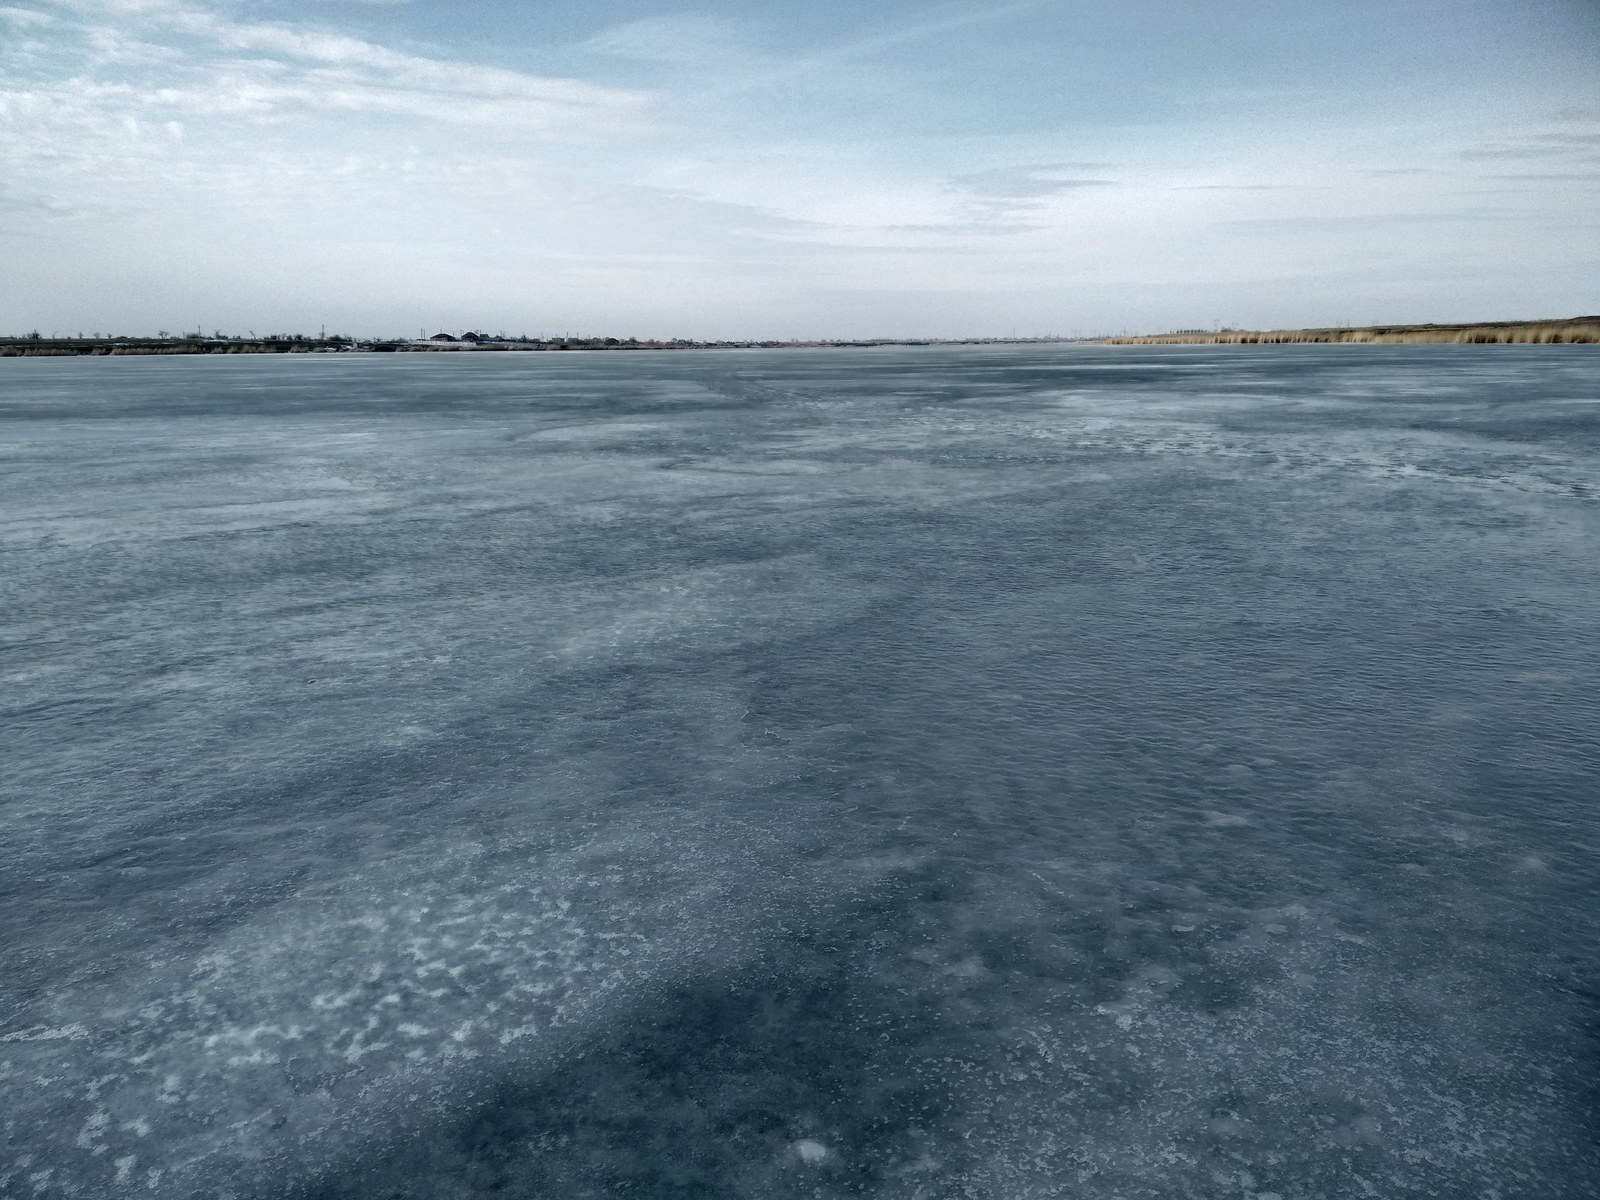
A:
{"x":941,"y":772}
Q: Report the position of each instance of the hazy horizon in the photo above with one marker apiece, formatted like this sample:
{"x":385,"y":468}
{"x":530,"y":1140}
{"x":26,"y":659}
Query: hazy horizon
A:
{"x":725,"y":171}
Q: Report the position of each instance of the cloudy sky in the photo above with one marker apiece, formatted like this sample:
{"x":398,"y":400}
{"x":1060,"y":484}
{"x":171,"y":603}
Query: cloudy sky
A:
{"x":816,"y":168}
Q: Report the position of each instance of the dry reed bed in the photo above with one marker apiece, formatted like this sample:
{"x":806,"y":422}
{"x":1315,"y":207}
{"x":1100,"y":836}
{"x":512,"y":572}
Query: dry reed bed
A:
{"x":1578,"y":329}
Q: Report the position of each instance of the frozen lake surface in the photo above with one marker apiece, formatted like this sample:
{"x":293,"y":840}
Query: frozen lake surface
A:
{"x":994,"y":772}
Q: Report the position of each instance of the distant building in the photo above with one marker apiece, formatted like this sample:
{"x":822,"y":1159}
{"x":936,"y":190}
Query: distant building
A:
{"x":471,"y":337}
{"x":443,"y":337}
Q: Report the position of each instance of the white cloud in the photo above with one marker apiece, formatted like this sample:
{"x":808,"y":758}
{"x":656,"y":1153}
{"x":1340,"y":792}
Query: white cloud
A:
{"x":1030,"y":182}
{"x":27,"y":18}
{"x":290,"y":160}
{"x":193,"y":62}
{"x":427,"y":76}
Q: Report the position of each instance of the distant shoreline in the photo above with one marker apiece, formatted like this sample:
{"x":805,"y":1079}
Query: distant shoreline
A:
{"x":1571,"y":329}
{"x":42,"y":347}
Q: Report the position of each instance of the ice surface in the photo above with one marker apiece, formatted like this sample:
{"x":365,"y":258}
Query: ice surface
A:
{"x":1151,"y":772}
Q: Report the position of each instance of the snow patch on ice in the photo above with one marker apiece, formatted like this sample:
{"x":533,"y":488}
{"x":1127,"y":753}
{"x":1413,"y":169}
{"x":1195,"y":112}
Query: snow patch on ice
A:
{"x":810,"y":1152}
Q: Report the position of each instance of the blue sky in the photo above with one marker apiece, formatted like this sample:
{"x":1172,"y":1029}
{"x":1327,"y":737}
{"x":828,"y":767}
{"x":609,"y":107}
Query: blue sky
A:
{"x":805,"y":170}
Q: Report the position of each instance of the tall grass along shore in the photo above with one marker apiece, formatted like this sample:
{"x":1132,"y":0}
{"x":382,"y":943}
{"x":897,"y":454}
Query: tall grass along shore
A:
{"x":1571,"y":329}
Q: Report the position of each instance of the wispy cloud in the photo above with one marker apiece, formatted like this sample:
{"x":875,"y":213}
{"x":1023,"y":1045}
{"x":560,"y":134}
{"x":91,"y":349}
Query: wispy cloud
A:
{"x":936,"y":22}
{"x":766,"y":72}
{"x":1009,"y":199}
{"x":1029,"y":182}
{"x":1541,"y":147}
{"x":299,"y":72}
{"x":1370,"y":221}
{"x":133,"y":117}
{"x":681,"y":39}
{"x":1233,"y":187}
{"x":26,"y":18}
{"x":1590,"y":176}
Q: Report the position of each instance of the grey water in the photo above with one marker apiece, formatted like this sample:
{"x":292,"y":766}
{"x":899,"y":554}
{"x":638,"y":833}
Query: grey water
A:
{"x":935,"y":772}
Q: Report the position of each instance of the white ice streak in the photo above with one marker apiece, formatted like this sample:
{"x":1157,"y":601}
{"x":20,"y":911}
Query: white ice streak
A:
{"x":1297,"y":1036}
{"x":328,"y":1019}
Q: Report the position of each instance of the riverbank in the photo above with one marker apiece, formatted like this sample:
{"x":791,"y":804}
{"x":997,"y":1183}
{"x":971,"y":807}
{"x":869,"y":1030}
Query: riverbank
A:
{"x":1574,"y":329}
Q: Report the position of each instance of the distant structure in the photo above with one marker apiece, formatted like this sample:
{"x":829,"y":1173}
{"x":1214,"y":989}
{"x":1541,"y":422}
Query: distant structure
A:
{"x":441,"y":337}
{"x":471,"y":337}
